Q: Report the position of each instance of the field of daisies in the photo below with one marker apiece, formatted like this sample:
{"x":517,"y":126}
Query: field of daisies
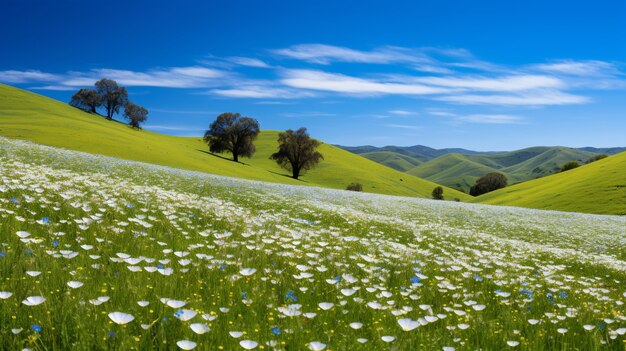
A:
{"x":98,"y":253}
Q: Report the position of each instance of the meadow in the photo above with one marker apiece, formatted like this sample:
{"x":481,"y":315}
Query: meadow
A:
{"x":98,"y":253}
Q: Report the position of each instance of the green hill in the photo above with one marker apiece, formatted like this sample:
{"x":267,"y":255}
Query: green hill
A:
{"x":453,"y":170}
{"x":599,"y":187}
{"x":460,"y":170}
{"x":29,"y":116}
{"x":394,"y":160}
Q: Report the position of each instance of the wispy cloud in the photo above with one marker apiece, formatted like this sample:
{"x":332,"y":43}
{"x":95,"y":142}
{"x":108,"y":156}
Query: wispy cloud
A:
{"x":402,"y":113}
{"x":261,"y":92}
{"x":339,"y":83}
{"x":404,"y":126}
{"x":29,"y":76}
{"x":535,"y":98}
{"x":176,"y":77}
{"x":490,"y":119}
{"x":248,"y":61}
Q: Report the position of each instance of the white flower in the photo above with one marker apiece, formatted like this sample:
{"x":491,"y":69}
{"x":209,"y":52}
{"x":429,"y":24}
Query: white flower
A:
{"x":121,"y":317}
{"x":33,"y":301}
{"x":186,"y":344}
{"x":407,"y":324}
{"x":199,"y":328}
{"x":248,"y":344}
{"x":247,"y":271}
{"x":316,"y":346}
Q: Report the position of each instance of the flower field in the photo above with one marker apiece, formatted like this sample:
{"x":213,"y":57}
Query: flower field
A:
{"x":99,"y":253}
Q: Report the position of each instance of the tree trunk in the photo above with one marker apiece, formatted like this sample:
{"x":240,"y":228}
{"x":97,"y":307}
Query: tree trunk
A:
{"x":235,"y":157}
{"x":296,"y":173}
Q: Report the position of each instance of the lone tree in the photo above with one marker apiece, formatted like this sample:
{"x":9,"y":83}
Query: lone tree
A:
{"x":489,"y":182}
{"x":113,"y":96}
{"x":297,"y":151}
{"x":135,"y":114}
{"x":86,"y":99}
{"x":438,"y":193}
{"x":233,"y":133}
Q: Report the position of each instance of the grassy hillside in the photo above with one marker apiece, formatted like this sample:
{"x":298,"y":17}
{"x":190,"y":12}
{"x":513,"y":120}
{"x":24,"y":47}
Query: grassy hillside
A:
{"x":458,"y":170}
{"x":29,"y":116}
{"x":394,"y":160}
{"x":599,"y":187}
{"x":454,"y":170}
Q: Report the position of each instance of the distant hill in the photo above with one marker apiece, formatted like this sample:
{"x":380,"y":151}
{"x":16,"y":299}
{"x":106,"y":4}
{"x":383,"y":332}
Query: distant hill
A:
{"x":459,"y":168}
{"x":29,"y":116}
{"x":599,"y":187}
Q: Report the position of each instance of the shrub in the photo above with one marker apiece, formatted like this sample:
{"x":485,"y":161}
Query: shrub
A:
{"x":487,"y":183}
{"x":597,"y":158}
{"x":569,"y":165}
{"x":438,"y":193}
{"x":355,"y":187}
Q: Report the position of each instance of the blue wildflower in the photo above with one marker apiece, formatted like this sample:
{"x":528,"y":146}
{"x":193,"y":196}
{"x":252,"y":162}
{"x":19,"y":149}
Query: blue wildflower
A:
{"x":290,"y":296}
{"x":14,"y":200}
{"x":563,"y":294}
{"x":178,"y":313}
{"x":129,"y":205}
{"x":36,"y":328}
{"x":478,"y":278}
{"x":160,"y":266}
{"x":415,"y":280}
{"x":28,"y":252}
{"x":550,"y":297}
{"x":45,"y":220}
{"x":601,"y":325}
{"x":55,"y":243}
{"x":2,"y":254}
{"x":222,"y":267}
{"x":276,"y":331}
{"x":244,"y":295}
{"x":527,"y":292}
{"x":111,"y":334}
{"x":337,"y":278}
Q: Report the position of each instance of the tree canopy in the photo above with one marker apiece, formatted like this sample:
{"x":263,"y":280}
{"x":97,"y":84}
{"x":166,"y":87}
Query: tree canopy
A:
{"x":297,"y":151}
{"x":437,"y":193}
{"x":86,"y":99}
{"x":112,"y":95}
{"x":135,"y":114}
{"x":487,"y":183}
{"x":233,"y":133}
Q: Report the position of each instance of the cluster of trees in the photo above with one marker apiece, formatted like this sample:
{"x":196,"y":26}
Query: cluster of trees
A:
{"x":487,"y":183}
{"x":355,"y":187}
{"x":112,"y":97}
{"x":230,"y":132}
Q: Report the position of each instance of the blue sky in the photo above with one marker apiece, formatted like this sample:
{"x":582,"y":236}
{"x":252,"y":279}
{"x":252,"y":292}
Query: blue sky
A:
{"x":480,"y":75}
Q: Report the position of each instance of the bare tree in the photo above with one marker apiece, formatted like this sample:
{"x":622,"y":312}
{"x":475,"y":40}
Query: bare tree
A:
{"x":297,"y":151}
{"x":135,"y":114}
{"x":233,"y":133}
{"x":113,"y":96}
{"x":86,"y":99}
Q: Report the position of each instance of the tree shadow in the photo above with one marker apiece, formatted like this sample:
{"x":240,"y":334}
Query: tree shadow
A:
{"x":222,"y":157}
{"x":288,"y":176}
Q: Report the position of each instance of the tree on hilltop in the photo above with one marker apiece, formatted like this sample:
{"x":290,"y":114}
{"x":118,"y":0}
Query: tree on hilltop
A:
{"x":487,"y":183}
{"x":233,"y":133}
{"x":87,"y":100}
{"x":297,"y":151}
{"x":112,"y":95}
{"x":135,"y":114}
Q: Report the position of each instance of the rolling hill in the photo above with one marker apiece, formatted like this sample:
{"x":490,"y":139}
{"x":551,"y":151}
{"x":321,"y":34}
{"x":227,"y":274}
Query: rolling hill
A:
{"x":599,"y":187}
{"x":459,"y":168}
{"x":29,"y":116}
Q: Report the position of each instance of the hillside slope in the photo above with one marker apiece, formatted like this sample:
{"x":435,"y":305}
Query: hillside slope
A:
{"x":29,"y":116}
{"x":599,"y":187}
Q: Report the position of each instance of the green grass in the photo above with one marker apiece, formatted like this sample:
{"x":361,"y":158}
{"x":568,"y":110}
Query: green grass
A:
{"x":599,"y":187}
{"x":475,"y":277}
{"x":394,"y":160}
{"x":29,"y":116}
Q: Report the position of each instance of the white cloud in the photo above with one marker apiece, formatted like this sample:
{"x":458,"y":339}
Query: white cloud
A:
{"x":404,"y":126}
{"x":402,"y":113}
{"x":325,"y":54}
{"x":502,"y":84}
{"x":579,"y":68}
{"x":490,"y":119}
{"x":535,"y":98}
{"x":338,"y":83}
{"x":176,"y":77}
{"x":248,"y":61}
{"x":17,"y":77}
{"x":261,"y":92}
